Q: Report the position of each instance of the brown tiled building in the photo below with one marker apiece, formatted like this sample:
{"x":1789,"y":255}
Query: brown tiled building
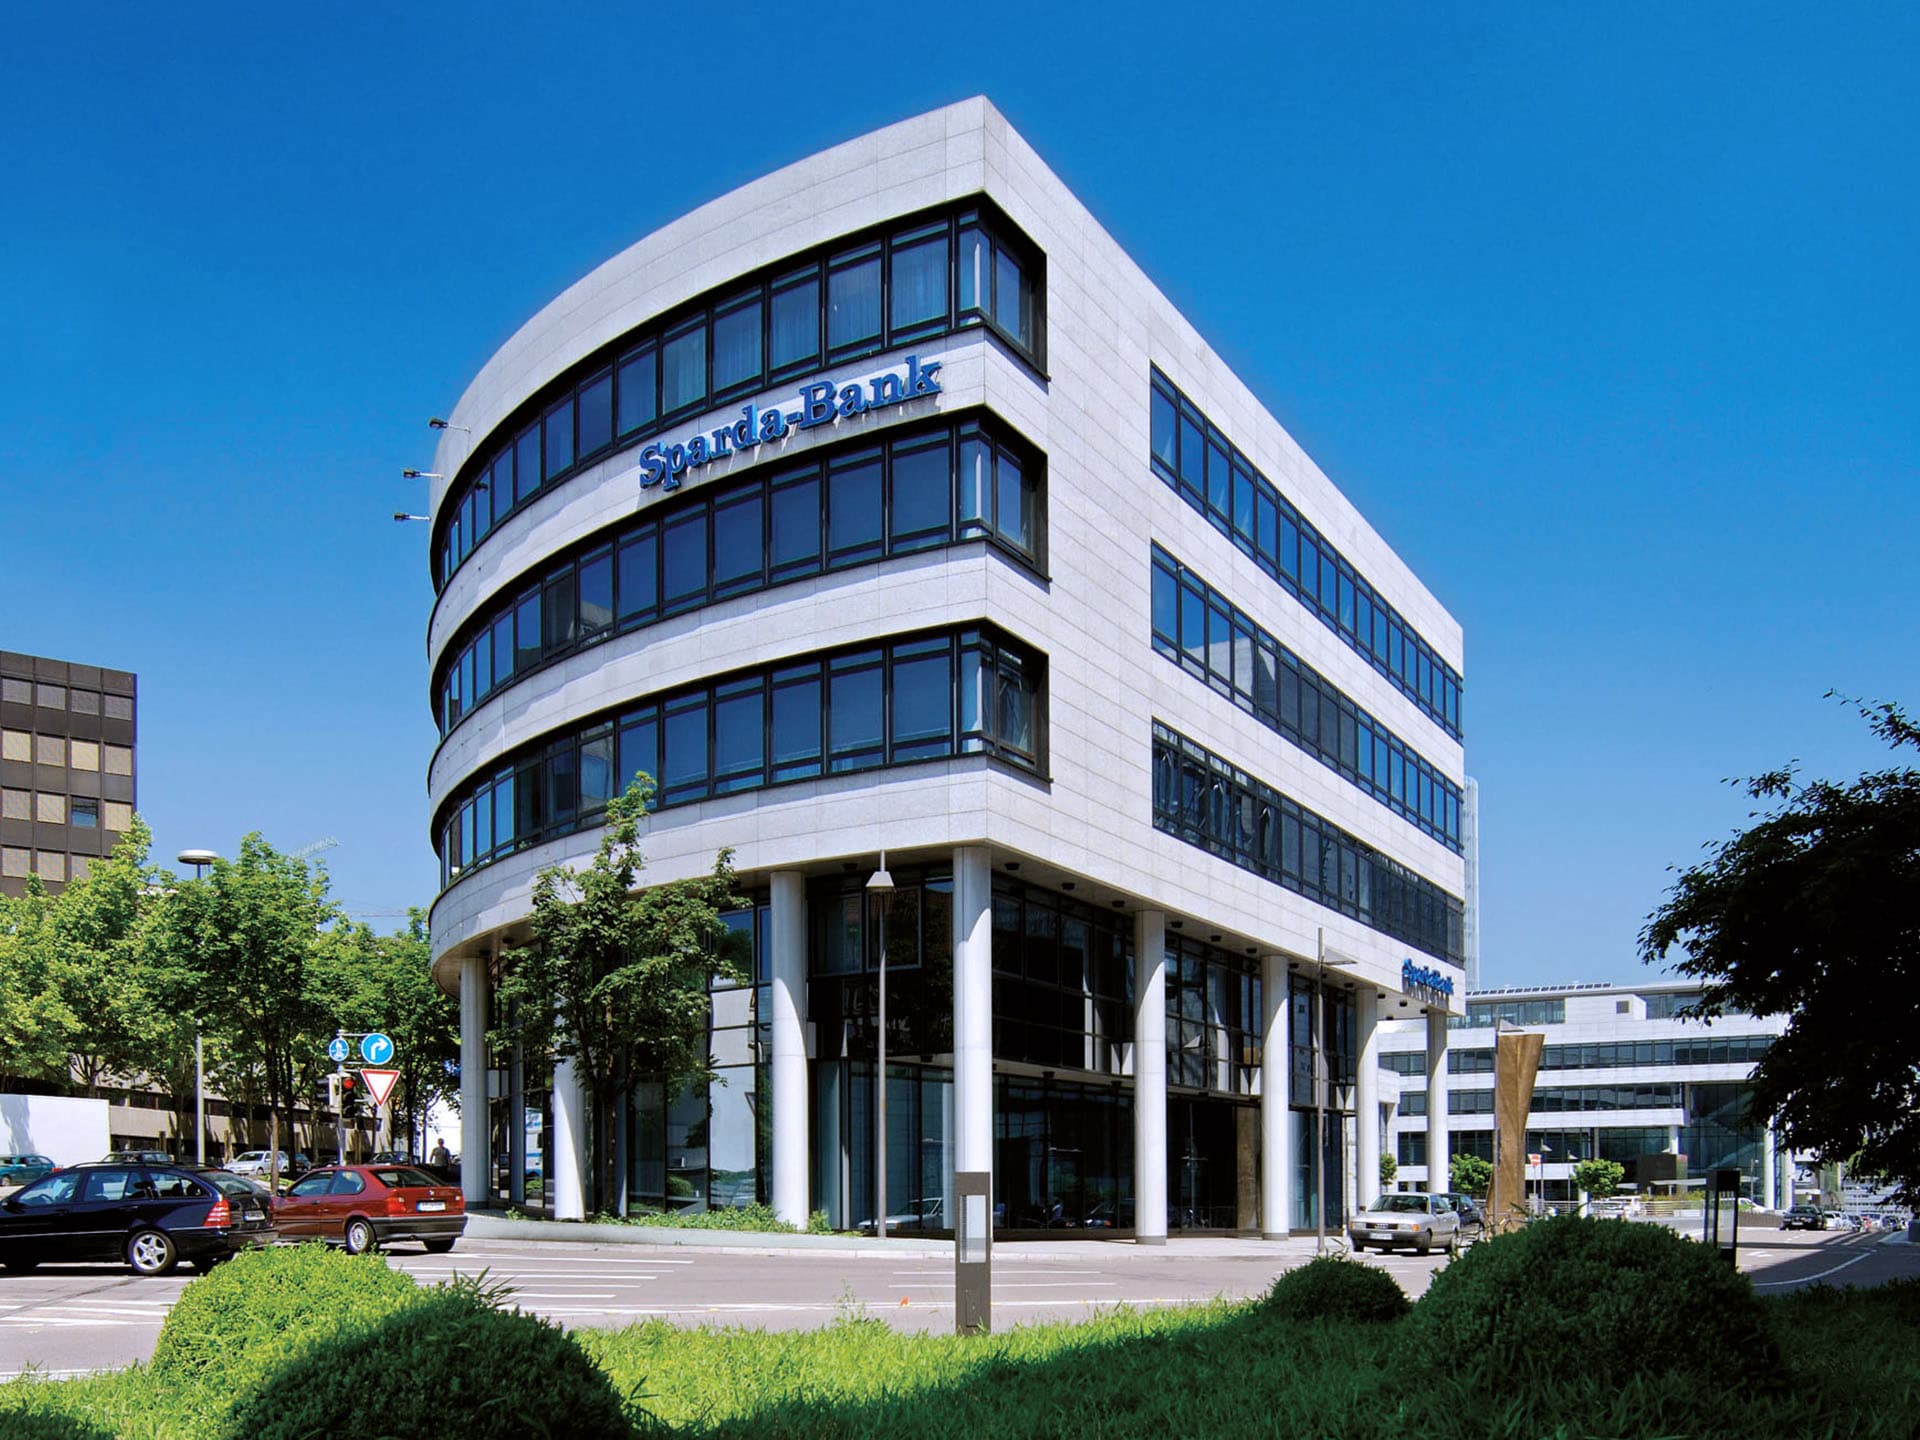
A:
{"x":67,"y":740}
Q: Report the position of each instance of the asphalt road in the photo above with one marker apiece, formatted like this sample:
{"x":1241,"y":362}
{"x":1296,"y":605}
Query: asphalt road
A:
{"x":71,"y":1319}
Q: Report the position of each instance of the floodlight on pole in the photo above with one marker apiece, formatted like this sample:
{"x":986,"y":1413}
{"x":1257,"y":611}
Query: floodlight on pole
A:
{"x":401,"y":517}
{"x":881,"y":884}
{"x":200,"y":860}
{"x":421,"y":475}
{"x":436,"y":423}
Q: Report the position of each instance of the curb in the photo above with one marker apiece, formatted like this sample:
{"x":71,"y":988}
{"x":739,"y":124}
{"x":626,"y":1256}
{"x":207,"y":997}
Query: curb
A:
{"x":484,"y":1226}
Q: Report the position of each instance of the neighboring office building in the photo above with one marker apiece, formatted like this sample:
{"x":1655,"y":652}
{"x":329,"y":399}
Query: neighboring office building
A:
{"x":1621,"y":1078}
{"x":884,"y":504}
{"x":67,"y":744}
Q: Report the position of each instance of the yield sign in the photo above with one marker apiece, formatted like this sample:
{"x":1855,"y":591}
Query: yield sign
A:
{"x":380,"y":1083}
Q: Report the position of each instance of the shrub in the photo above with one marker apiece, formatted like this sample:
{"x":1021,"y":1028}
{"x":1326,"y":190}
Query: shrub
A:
{"x":1605,"y":1299}
{"x":759,"y":1218}
{"x":1336,"y":1288}
{"x":48,"y":1425}
{"x":261,"y":1308}
{"x":451,"y":1364}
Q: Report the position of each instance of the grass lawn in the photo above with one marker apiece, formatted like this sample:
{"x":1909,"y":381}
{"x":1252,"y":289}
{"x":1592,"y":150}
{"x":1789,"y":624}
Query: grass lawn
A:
{"x":1851,"y":1368}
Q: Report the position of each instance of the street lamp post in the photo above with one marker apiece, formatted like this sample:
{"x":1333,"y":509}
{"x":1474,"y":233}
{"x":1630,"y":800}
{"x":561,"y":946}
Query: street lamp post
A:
{"x":881,"y":884}
{"x":199,"y":859}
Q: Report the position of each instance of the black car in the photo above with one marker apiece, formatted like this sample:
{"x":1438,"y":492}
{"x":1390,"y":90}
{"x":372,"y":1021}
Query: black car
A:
{"x":150,"y":1216}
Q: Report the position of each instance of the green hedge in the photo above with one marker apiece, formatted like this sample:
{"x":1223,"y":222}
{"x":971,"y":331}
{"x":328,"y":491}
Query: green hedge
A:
{"x":1333,"y":1287}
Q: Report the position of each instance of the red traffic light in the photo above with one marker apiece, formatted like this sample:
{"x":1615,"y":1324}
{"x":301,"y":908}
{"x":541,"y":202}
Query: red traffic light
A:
{"x":346,"y":1082}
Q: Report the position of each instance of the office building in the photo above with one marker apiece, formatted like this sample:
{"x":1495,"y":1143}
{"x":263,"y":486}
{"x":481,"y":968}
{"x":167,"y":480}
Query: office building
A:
{"x":67,"y":743}
{"x":885,"y":505}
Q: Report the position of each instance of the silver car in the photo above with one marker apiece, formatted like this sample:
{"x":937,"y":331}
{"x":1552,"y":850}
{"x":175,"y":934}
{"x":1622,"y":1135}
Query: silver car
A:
{"x":1418,"y":1222}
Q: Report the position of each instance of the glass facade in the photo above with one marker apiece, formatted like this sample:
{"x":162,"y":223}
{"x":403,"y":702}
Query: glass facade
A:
{"x":1485,"y":1014}
{"x":1204,"y":468}
{"x":895,"y":702}
{"x":1196,"y":627}
{"x":843,"y":506}
{"x":1201,"y":799}
{"x":930,"y":275}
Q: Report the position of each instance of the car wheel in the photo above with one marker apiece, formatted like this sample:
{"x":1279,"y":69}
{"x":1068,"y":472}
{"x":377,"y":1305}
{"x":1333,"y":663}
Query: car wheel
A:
{"x":21,"y":1265}
{"x":1453,"y":1244}
{"x":150,"y":1252}
{"x":437,"y":1247}
{"x":1359,"y":1246}
{"x":1425,"y":1245}
{"x":358,"y":1236}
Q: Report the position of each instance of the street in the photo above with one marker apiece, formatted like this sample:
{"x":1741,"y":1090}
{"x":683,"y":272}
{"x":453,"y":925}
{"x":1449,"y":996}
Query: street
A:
{"x":70,"y":1319}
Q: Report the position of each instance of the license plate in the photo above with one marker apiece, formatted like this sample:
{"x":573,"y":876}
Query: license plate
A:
{"x":253,"y":1215}
{"x":431,"y":1205}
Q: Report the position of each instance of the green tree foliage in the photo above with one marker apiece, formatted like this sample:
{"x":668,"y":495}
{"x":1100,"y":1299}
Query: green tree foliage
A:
{"x":1599,"y":1178}
{"x":616,"y":981}
{"x":1470,"y":1175}
{"x":1813,"y":912}
{"x":36,"y":1024}
{"x":1389,"y":1167}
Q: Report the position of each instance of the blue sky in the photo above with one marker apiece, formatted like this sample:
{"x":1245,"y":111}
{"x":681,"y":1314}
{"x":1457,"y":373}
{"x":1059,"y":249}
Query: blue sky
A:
{"x":1605,"y":320}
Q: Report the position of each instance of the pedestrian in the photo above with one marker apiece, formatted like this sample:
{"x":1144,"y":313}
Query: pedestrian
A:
{"x":440,"y":1156}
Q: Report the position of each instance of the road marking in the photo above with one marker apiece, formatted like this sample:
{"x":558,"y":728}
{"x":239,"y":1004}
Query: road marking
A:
{"x":574,"y":1295}
{"x":1809,"y":1279}
{"x":1000,"y":1285}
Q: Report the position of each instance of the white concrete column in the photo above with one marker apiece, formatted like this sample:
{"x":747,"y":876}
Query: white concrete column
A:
{"x":1276,"y":1124}
{"x":1438,"y":1177}
{"x":1769,"y":1180}
{"x":972,"y":1008}
{"x":1150,"y":1077}
{"x":476,"y":1163}
{"x":787,"y":938}
{"x":1366,"y":1100}
{"x":569,"y":1178}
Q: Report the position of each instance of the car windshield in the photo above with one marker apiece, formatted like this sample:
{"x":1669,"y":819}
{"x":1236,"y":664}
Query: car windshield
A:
{"x":400,"y":1178}
{"x":235,"y":1185}
{"x":1402,"y":1204}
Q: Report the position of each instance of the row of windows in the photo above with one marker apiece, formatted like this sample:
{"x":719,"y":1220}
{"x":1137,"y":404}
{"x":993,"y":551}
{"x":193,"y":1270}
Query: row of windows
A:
{"x":1214,"y":1018}
{"x":927,"y":277}
{"x":1665,"y":1004}
{"x":1196,"y":627}
{"x":1201,"y":799}
{"x":1556,"y":1099}
{"x":61,"y":697}
{"x":1210,"y":474}
{"x":913,"y":698}
{"x":1556,"y":1147}
{"x":847,"y":505}
{"x":1484,"y":1014}
{"x":83,"y":812}
{"x":1608,"y":1055}
{"x":1062,"y":983}
{"x":54,"y":867}
{"x":26,"y":747}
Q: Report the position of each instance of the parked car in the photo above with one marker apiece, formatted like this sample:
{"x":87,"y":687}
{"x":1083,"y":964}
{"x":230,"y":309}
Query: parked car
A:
{"x":1405,"y":1218}
{"x":1473,"y":1220}
{"x":255,"y":1162}
{"x":150,"y":1216}
{"x":24,"y":1169}
{"x":927,"y":1214}
{"x":363,"y":1207}
{"x":1804,"y":1217}
{"x":136,"y":1157}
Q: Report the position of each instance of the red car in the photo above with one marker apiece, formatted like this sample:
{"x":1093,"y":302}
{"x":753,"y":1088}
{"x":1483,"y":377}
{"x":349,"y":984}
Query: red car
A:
{"x":363,"y":1207}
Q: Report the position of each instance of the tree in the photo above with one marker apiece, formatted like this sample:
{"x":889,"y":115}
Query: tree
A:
{"x":1470,"y":1175}
{"x":35,"y":1022}
{"x":616,"y":982}
{"x":240,"y":943}
{"x":1599,"y":1178}
{"x":1813,"y":912}
{"x":1389,"y":1167}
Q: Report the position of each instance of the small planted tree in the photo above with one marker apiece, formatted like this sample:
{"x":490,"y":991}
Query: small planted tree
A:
{"x":1470,"y":1175}
{"x":1599,"y":1178}
{"x":1389,"y":1167}
{"x":614,"y":979}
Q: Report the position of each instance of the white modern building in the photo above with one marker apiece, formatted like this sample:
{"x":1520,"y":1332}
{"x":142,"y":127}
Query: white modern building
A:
{"x":1622,"y":1077}
{"x":885,"y":505}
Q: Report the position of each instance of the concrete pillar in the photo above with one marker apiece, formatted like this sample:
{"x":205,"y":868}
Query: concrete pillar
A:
{"x":1150,"y":1078}
{"x":972,"y":1008}
{"x":1438,"y":1177}
{"x":1366,"y":1100}
{"x":476,"y":1161}
{"x":1769,"y":1181}
{"x":569,"y":1178}
{"x":1276,"y":1124}
{"x":787,"y":938}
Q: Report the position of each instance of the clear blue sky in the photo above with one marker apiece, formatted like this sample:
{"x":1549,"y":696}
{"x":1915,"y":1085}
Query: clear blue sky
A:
{"x":1606,"y":321}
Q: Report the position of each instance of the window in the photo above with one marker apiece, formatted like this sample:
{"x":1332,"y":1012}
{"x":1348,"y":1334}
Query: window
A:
{"x":16,"y":805}
{"x":116,"y":816}
{"x":51,"y":697}
{"x":119,"y":759}
{"x":885,"y":290}
{"x":50,"y":809}
{"x":16,"y":745}
{"x":49,"y":750}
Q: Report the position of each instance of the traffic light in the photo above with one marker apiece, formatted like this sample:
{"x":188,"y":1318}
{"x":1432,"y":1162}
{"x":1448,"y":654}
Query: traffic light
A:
{"x":350,"y":1096}
{"x":333,"y":1092}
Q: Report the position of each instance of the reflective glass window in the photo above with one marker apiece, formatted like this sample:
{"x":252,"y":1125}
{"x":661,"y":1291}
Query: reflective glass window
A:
{"x":739,"y":742}
{"x":596,"y":413}
{"x":597,"y":785}
{"x":639,"y":390}
{"x":922,"y":700}
{"x":922,"y":477}
{"x":856,"y":725}
{"x":503,"y":647}
{"x":639,"y":748}
{"x":794,"y":547}
{"x":975,"y":269}
{"x":853,"y":507}
{"x":795,"y":324}
{"x":563,"y":786}
{"x":1013,"y":507}
{"x":639,"y":574}
{"x":919,"y":284}
{"x":796,"y":723}
{"x":596,"y":591}
{"x":559,"y":434}
{"x":527,"y":633}
{"x":683,"y":368}
{"x":1012,"y":302}
{"x":853,"y":304}
{"x":976,"y":485}
{"x":685,"y":760}
{"x":560,"y":622}
{"x":1164,"y":429}
{"x":736,"y":346}
{"x":738,"y":549}
{"x":684,"y":544}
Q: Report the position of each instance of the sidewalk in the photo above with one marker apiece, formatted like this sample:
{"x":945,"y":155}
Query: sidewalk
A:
{"x":484,"y":1225}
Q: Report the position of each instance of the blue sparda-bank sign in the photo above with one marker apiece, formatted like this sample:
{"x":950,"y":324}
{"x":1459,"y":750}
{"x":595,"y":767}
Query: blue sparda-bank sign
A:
{"x":1418,"y":978}
{"x":666,"y":463}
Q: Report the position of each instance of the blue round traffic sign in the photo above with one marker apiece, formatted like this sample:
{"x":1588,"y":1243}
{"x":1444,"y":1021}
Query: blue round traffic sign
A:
{"x":337,"y":1050}
{"x":376,"y":1049}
